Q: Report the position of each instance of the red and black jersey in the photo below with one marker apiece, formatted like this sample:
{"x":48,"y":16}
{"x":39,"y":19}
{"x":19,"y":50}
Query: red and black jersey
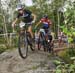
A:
{"x":46,"y":21}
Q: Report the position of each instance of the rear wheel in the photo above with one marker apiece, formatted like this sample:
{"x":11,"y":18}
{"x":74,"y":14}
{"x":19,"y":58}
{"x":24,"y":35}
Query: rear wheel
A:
{"x":50,"y":44}
{"x":23,"y":46}
{"x":39,"y":43}
{"x":42,"y":41}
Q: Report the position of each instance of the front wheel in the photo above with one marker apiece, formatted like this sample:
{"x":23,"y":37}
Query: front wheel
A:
{"x":23,"y":46}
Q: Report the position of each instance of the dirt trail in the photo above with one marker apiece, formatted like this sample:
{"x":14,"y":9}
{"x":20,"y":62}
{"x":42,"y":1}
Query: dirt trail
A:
{"x":11,"y":62}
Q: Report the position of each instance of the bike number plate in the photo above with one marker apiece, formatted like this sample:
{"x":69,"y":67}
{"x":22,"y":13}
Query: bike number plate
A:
{"x":22,"y":24}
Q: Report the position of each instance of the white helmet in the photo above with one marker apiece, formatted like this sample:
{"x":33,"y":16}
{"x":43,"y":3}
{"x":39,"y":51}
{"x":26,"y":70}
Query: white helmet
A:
{"x":19,"y":7}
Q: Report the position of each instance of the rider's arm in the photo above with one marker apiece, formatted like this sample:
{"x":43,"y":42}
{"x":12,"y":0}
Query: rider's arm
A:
{"x":14,"y":23}
{"x":34,"y":17}
{"x":38,"y":24}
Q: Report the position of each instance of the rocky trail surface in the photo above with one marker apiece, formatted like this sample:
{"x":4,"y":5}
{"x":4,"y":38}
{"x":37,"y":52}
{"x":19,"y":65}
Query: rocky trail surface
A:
{"x":36,"y":62}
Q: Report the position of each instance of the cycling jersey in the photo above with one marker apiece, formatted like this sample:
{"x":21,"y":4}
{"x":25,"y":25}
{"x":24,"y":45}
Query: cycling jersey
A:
{"x":26,"y":16}
{"x":46,"y":22}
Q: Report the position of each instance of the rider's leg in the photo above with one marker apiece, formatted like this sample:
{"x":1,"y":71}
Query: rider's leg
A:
{"x":30,"y":31}
{"x":46,"y":34}
{"x":32,"y":37}
{"x":38,"y":34}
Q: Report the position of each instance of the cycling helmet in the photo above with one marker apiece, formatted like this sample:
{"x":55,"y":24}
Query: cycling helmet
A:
{"x":19,"y":7}
{"x":46,"y":16}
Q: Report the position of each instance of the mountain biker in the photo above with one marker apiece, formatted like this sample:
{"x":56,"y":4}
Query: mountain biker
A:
{"x":26,"y":16}
{"x":46,"y":24}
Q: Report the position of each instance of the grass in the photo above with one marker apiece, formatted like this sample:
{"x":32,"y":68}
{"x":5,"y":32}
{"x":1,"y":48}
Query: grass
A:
{"x":2,"y":49}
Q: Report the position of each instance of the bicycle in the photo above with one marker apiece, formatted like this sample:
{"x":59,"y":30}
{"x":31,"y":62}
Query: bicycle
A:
{"x":24,"y":41}
{"x":45,"y":40}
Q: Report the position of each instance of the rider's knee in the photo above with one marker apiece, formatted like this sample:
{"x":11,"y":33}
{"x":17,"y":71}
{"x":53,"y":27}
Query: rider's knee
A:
{"x":30,"y":29}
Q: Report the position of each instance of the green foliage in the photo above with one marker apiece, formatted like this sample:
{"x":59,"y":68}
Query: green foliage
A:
{"x":63,"y":67}
{"x":70,"y":32}
{"x":1,"y":40}
{"x":1,"y":24}
{"x":71,"y":52}
{"x":2,"y":49}
{"x":15,"y":41}
{"x":56,"y":62}
{"x":67,"y":54}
